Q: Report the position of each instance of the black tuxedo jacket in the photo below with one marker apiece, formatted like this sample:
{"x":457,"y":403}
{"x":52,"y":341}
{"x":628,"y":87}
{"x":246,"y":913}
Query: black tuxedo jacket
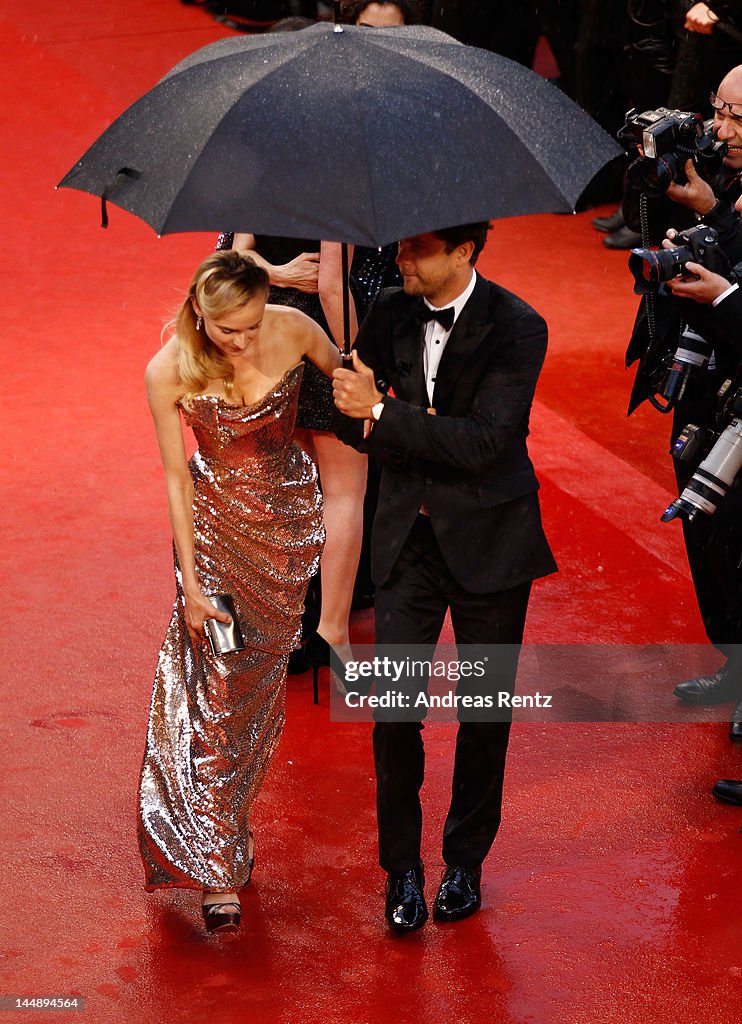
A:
{"x":468,"y":464}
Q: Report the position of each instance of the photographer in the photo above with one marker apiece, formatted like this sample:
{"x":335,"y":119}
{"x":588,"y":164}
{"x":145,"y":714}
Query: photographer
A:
{"x":725,"y":299}
{"x":709,"y":306}
{"x":720,"y":302}
{"x":651,"y":199}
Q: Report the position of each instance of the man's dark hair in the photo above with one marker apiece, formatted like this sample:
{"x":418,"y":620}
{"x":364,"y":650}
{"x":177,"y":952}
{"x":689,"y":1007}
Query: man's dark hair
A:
{"x":476,"y":233}
{"x":353,"y":8}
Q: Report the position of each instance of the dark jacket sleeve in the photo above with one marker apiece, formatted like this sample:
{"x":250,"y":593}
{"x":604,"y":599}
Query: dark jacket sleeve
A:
{"x":729,"y":11}
{"x":725,"y":220}
{"x":498,"y":414}
{"x":724,"y":324}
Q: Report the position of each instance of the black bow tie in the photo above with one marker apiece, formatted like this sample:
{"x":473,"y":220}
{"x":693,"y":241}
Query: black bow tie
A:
{"x":445,"y":317}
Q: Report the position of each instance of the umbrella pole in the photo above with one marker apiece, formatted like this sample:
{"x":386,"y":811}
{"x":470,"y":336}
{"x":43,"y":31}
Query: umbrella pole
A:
{"x":346,"y":303}
{"x":344,"y":245}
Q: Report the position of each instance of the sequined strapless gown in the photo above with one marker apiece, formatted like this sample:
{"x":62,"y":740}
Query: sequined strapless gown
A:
{"x":215,"y":722}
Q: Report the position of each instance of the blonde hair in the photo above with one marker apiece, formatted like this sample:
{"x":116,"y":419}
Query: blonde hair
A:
{"x":225,"y":281}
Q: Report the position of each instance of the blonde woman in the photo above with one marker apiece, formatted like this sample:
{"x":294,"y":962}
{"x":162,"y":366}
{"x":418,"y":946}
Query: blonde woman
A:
{"x":246,"y":516}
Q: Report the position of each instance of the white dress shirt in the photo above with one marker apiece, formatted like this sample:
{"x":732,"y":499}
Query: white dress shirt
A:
{"x":436,"y":336}
{"x":720,"y":298}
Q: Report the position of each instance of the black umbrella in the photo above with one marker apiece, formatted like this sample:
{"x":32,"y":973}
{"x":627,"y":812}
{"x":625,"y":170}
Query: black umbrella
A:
{"x":350,"y":134}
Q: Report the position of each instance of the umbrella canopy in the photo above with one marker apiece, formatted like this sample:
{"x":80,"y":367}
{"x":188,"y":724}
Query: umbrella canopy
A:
{"x":348,"y":134}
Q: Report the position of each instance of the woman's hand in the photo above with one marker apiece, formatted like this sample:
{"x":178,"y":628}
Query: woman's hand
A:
{"x":198,"y":608}
{"x":301,"y":273}
{"x":700,"y":18}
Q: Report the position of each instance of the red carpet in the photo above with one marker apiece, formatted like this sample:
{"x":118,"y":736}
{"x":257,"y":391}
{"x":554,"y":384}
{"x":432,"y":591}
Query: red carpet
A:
{"x":611,"y":894}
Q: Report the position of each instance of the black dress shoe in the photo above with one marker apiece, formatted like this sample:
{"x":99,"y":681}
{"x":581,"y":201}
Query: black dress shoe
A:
{"x":459,"y":894}
{"x":624,"y":238}
{"x":405,"y":908}
{"x":715,"y":689}
{"x":735,"y":726}
{"x":729,"y":791}
{"x":609,"y":224}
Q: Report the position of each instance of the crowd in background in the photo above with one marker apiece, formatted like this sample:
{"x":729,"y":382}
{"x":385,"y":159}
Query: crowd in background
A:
{"x":611,"y":54}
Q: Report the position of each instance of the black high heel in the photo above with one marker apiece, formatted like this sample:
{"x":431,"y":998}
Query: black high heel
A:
{"x":322,"y":655}
{"x":298,"y":659}
{"x":317,"y":651}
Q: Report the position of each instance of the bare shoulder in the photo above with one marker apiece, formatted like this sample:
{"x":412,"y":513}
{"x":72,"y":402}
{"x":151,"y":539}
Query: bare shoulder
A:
{"x":287,"y":320}
{"x":292,"y":329}
{"x":161,"y":375}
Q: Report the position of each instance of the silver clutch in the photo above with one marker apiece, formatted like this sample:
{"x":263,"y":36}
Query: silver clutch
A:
{"x":223,"y":638}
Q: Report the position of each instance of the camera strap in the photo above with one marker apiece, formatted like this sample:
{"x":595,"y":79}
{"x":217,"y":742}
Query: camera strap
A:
{"x":649,"y":309}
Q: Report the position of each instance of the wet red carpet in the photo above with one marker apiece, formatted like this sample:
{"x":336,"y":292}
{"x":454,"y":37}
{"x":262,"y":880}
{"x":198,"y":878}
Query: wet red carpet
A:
{"x":612,"y":892}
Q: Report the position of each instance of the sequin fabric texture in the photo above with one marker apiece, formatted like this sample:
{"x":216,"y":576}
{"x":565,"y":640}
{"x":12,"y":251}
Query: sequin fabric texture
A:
{"x":215,"y":722}
{"x":372,"y":270}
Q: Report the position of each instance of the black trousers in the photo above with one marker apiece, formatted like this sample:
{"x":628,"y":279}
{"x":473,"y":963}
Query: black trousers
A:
{"x":714,"y":543}
{"x":410,"y":609}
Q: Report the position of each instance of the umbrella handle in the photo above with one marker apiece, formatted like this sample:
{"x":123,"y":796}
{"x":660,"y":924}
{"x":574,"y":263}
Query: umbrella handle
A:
{"x":346,"y":302}
{"x":114,"y":184}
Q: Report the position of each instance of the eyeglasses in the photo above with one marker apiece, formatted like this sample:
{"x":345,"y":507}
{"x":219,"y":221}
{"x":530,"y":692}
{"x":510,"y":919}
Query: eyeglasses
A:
{"x":735,"y":109}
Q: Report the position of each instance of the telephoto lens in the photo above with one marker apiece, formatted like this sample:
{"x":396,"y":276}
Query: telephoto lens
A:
{"x":713,"y":478}
{"x":692,"y":353}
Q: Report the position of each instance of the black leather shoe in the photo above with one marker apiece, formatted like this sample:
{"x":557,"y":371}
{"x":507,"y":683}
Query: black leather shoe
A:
{"x":729,"y":791}
{"x":609,"y":224}
{"x":405,"y":908}
{"x":624,"y":238}
{"x":459,"y":894}
{"x":715,"y":689}
{"x":735,"y":726}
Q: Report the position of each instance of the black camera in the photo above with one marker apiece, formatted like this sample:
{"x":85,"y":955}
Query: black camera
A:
{"x":652,"y":267}
{"x":718,"y":471}
{"x":666,"y":140}
{"x":693,"y":443}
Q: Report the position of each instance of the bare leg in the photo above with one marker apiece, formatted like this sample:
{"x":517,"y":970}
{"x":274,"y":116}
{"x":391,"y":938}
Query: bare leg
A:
{"x":343,"y":475}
